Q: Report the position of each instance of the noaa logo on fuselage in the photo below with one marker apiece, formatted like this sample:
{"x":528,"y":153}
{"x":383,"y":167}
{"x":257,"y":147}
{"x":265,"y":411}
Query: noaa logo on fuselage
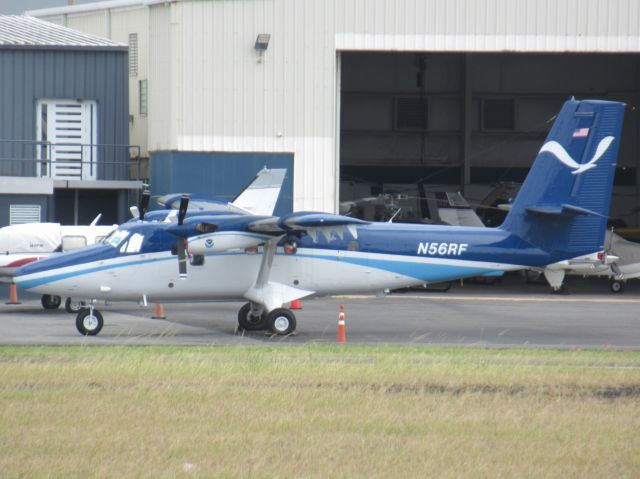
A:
{"x":557,"y":150}
{"x":208,"y":243}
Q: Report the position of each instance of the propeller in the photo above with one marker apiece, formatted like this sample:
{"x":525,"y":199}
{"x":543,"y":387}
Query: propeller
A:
{"x":182,"y":249}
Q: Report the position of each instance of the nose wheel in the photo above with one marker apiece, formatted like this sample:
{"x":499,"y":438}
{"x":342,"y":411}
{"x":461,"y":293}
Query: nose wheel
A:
{"x":89,"y":322}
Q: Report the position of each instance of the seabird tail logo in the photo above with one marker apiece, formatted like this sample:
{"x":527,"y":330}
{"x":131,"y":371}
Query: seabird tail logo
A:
{"x":559,"y":152}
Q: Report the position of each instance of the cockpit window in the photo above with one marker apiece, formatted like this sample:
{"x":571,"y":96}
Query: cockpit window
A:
{"x":133,"y":245}
{"x":115,"y":238}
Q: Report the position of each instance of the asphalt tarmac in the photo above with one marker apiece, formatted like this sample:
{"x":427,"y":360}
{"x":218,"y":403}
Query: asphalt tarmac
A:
{"x":508,"y":314}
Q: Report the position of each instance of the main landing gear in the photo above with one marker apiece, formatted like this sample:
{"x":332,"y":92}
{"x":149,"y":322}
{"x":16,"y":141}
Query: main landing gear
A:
{"x":50,"y":301}
{"x":280,"y":321}
{"x":617,"y":286}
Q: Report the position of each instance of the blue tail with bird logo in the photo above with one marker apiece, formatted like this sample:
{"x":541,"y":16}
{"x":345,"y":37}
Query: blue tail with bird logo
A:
{"x":563,"y":205}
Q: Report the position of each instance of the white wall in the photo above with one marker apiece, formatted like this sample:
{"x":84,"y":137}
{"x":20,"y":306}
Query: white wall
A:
{"x":209,"y":92}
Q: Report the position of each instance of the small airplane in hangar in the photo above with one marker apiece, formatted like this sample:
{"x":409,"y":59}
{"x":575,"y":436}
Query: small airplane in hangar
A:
{"x":619,"y":261}
{"x":560,"y":213}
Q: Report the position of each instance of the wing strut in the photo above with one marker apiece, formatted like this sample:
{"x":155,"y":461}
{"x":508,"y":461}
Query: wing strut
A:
{"x":268,"y":293}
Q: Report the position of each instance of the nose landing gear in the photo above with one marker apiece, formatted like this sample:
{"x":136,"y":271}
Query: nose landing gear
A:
{"x":89,"y":321}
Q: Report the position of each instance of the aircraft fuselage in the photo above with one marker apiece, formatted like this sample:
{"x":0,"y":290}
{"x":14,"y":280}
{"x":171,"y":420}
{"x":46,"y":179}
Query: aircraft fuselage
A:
{"x":382,"y":256}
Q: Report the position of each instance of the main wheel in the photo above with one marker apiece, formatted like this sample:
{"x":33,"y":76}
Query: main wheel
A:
{"x":617,"y":286}
{"x":50,"y":301}
{"x":74,"y":306}
{"x":281,"y":321}
{"x":89,"y":322}
{"x":249,"y":322}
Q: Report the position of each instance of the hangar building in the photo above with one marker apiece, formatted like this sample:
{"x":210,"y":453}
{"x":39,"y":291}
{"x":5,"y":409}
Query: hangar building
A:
{"x":361,"y":97}
{"x":64,"y":153}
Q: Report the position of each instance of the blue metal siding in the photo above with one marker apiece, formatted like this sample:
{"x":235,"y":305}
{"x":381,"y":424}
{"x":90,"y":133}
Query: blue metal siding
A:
{"x":222,"y":175}
{"x":28,"y":75}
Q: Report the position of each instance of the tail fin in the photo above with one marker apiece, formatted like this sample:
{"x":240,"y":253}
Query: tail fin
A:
{"x":563,"y":205}
{"x":261,"y":196}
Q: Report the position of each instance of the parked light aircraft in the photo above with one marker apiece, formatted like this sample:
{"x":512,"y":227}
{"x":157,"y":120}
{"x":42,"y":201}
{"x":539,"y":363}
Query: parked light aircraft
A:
{"x":619,"y":261}
{"x":560,"y":213}
{"x":24,"y":243}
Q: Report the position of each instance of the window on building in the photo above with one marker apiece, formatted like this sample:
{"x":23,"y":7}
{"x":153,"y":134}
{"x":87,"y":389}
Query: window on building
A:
{"x":24,"y":214}
{"x":411,"y":113}
{"x":498,"y":114}
{"x":68,"y":132}
{"x":143,"y":97}
{"x":133,"y":54}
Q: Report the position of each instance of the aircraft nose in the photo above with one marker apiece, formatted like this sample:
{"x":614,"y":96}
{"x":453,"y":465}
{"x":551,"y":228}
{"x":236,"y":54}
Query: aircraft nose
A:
{"x":64,"y":260}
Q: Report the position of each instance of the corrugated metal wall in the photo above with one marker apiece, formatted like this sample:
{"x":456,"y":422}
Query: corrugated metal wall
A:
{"x":224,"y":97}
{"x":28,"y":75}
{"x":488,"y":25}
{"x":209,"y":92}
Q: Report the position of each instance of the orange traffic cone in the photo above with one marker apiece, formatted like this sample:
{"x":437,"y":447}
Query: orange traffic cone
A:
{"x":13,"y":294}
{"x":159,"y":313}
{"x":296,"y":304}
{"x":342,"y":330}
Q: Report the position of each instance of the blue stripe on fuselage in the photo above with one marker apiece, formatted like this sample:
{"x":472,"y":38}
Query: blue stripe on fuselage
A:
{"x":484,"y":244}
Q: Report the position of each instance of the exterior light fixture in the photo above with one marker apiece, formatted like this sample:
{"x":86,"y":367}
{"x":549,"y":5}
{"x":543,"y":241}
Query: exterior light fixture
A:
{"x":261,"y":45}
{"x":262,"y":41}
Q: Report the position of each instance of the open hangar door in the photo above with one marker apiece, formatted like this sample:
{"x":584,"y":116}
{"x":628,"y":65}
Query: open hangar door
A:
{"x":414,"y":125}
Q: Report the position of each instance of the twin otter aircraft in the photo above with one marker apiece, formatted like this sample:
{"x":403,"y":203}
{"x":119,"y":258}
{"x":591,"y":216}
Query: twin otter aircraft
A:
{"x":560,"y":213}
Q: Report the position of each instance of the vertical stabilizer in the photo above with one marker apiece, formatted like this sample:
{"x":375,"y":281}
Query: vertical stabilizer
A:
{"x":563,"y":205}
{"x":261,"y":196}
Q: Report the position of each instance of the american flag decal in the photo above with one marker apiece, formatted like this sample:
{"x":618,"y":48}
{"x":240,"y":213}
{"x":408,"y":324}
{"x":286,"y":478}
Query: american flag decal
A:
{"x":581,"y":133}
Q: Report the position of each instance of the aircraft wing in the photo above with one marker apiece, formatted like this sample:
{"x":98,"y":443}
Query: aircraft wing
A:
{"x":328,"y":225}
{"x":211,"y":234}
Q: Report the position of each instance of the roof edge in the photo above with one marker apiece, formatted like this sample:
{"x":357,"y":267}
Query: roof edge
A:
{"x":92,"y":7}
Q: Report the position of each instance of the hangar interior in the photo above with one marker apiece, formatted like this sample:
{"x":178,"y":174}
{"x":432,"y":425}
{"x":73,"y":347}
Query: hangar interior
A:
{"x":415,"y":123}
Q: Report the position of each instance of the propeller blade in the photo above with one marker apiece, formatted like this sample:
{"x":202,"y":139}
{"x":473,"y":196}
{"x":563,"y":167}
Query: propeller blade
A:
{"x":144,"y":204}
{"x":182,"y":211}
{"x":182,"y":258}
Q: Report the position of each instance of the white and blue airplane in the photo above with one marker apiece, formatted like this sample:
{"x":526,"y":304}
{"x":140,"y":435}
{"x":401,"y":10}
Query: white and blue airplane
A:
{"x":560,"y":213}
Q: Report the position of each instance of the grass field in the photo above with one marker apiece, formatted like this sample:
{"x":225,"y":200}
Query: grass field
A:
{"x":318,"y":411}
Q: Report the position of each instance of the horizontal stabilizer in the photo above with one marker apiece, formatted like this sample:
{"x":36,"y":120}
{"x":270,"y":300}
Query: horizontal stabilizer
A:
{"x":566,"y":210}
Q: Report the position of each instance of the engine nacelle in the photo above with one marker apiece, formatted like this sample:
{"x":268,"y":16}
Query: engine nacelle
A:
{"x":224,"y":241}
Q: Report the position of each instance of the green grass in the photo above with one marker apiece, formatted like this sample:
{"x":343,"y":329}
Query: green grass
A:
{"x":318,"y":411}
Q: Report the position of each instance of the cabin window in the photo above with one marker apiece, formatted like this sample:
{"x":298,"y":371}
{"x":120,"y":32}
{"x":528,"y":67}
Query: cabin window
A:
{"x":70,"y":243}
